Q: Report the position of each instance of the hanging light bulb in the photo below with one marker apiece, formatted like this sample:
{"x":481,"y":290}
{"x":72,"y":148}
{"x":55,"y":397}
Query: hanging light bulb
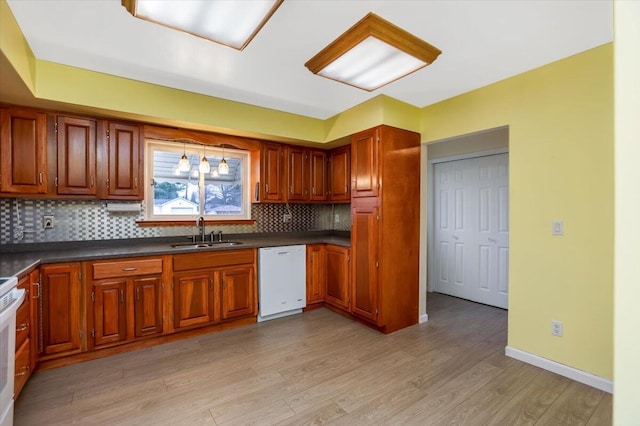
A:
{"x":214,"y":173}
{"x":223,"y":167}
{"x":184,"y":165}
{"x":176,"y":171}
{"x":204,"y":163}
{"x":195,"y":173}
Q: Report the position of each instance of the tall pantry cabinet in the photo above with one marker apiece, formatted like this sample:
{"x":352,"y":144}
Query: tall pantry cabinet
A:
{"x":385,"y":211}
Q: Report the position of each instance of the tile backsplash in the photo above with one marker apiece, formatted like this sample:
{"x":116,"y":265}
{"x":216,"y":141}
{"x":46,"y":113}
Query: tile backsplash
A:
{"x":85,"y":220}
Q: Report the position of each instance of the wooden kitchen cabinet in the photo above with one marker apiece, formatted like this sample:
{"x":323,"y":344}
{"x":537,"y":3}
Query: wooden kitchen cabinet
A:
{"x":23,"y":367}
{"x":194,"y":299}
{"x":318,"y":175}
{"x":272,"y":172}
{"x":340,"y":175}
{"x":124,"y":162}
{"x":338,"y":277}
{"x":238,"y":292}
{"x":364,"y":164}
{"x":385,"y":220}
{"x":23,"y":151}
{"x":316,"y":273}
{"x":62,"y":311}
{"x":364,"y":241}
{"x":214,"y":286}
{"x":297,"y":171}
{"x":126,"y":298}
{"x":76,"y":155}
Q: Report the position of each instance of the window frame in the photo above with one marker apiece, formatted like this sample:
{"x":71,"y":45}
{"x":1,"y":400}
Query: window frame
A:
{"x":152,"y":145}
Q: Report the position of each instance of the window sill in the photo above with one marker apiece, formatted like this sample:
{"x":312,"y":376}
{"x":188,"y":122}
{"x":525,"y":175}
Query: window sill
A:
{"x":145,"y":223}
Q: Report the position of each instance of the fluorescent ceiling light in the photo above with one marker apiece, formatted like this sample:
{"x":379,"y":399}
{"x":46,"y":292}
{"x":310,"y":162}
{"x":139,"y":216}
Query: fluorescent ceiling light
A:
{"x":229,"y":22}
{"x":372,"y":53}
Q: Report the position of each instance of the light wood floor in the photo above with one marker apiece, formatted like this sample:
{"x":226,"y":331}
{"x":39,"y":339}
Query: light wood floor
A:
{"x":318,"y":368}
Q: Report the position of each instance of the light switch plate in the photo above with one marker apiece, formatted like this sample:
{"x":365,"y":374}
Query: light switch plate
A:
{"x":557,"y":227}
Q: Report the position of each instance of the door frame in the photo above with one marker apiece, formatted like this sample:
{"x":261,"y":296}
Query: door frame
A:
{"x":429,"y":198}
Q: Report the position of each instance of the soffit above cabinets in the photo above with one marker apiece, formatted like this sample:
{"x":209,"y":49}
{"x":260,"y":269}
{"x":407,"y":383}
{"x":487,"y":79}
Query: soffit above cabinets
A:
{"x":482,"y":42}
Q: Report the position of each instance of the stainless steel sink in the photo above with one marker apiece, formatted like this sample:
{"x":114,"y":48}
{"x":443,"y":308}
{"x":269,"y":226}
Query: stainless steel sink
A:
{"x":207,"y":245}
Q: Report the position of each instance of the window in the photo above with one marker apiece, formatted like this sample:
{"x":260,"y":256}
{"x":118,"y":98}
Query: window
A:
{"x":186,"y":195}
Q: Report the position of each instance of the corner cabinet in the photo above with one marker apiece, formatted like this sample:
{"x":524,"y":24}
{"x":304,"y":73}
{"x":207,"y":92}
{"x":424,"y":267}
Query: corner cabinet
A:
{"x":340,"y":175}
{"x":316,"y":273}
{"x":23,"y":151}
{"x":385,"y":191}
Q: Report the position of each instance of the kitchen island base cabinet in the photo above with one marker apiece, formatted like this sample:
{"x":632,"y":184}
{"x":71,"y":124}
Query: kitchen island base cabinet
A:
{"x":60,"y":303}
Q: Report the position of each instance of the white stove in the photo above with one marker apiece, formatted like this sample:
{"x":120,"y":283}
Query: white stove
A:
{"x":10,"y":299}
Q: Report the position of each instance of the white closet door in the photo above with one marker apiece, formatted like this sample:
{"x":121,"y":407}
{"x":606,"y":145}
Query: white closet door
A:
{"x":471,"y":229}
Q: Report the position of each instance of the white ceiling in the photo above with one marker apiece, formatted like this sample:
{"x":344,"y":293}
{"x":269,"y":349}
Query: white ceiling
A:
{"x":482,"y":42}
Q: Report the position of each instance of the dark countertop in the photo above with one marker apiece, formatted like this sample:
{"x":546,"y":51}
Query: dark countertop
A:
{"x":16,"y":259}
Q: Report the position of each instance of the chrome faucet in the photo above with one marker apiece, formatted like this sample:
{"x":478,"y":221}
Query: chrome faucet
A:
{"x":201,"y":226}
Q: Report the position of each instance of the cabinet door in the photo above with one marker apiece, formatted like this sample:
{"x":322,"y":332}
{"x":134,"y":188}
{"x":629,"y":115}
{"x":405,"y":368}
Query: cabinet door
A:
{"x":238,"y":292}
{"x":109,"y":312}
{"x":22,"y":367}
{"x":193,"y":298}
{"x":338,"y":276}
{"x":148,"y":306}
{"x":125,"y":162}
{"x":318,"y":171}
{"x":297,"y":174}
{"x":340,"y":174}
{"x":364,"y":246}
{"x":364,"y":164}
{"x":76,"y":156}
{"x":316,"y":273}
{"x":23,"y":151}
{"x":272,"y":172}
{"x":60,"y":307}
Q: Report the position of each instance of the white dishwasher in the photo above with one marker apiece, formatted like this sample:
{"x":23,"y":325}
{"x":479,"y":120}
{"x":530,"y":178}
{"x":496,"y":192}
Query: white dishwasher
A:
{"x":282,"y":275}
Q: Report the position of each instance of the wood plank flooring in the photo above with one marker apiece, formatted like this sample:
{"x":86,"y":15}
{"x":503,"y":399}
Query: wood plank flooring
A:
{"x":320,"y":368}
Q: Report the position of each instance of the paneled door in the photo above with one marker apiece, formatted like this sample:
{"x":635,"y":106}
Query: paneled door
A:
{"x":471,"y":229}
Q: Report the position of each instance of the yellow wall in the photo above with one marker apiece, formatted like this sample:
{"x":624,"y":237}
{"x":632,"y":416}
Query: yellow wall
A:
{"x":560,"y":120}
{"x":626,"y":410}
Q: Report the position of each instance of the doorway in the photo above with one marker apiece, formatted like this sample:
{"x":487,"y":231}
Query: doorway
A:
{"x":468,"y":215}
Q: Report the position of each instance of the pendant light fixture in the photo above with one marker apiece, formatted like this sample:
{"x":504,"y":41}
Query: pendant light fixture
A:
{"x":184,"y":165}
{"x":223,"y":167}
{"x":204,"y":163}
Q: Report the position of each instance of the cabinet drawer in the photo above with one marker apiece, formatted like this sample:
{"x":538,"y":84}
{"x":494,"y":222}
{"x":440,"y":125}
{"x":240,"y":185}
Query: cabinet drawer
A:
{"x":22,"y":324}
{"x":22,"y":368}
{"x":126,"y":268}
{"x":184,"y":262}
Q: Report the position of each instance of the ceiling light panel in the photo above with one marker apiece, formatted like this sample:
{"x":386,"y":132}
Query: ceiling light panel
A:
{"x":229,"y":22}
{"x":372,"y":53}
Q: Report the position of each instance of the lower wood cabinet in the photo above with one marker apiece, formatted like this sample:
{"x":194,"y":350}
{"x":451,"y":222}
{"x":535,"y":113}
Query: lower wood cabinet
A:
{"x":60,"y":328}
{"x":316,"y":273}
{"x":125,"y":300}
{"x":338,"y":277}
{"x":211,"y":287}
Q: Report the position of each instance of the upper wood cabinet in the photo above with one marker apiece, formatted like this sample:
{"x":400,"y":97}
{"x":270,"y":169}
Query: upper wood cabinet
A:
{"x":272,"y":172}
{"x":76,"y":151}
{"x":297,"y":174}
{"x":124,"y":159}
{"x":364,"y":164}
{"x":340,"y":174}
{"x":318,"y":175}
{"x":23,"y":151}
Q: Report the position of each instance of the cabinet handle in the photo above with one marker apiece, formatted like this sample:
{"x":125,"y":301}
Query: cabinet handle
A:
{"x":129,"y":269}
{"x":22,"y":327}
{"x":266,"y":188}
{"x":40,"y":177}
{"x":346,"y":189}
{"x":121,"y":296}
{"x":135,"y":183}
{"x":92,"y":181}
{"x":37,"y":295}
{"x":138,"y":293}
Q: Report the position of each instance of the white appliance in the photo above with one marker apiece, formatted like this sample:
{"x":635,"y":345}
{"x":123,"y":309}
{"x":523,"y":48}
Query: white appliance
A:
{"x":10,"y":298}
{"x":282,"y":275}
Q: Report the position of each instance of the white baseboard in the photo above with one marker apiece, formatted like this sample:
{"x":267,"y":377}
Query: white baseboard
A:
{"x":423,"y":318}
{"x":561,"y":369}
